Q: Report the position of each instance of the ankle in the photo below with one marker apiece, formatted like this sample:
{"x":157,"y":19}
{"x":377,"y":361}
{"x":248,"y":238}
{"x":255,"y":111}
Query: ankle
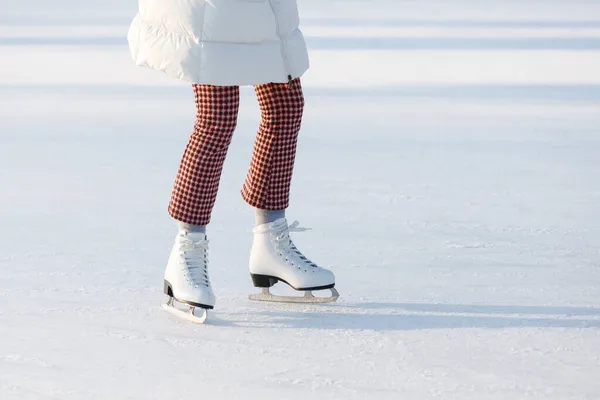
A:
{"x":191,"y":228}
{"x":267,"y":216}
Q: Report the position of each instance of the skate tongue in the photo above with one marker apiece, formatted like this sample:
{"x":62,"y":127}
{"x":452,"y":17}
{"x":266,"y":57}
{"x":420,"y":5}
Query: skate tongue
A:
{"x":195,"y":236}
{"x":279,"y":222}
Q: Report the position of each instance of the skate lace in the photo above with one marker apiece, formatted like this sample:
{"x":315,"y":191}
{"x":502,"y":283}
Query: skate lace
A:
{"x":286,"y":246}
{"x":194,"y":254}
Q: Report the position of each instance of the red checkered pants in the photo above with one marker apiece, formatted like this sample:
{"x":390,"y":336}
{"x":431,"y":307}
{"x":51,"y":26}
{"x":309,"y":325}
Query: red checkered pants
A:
{"x":267,"y":184}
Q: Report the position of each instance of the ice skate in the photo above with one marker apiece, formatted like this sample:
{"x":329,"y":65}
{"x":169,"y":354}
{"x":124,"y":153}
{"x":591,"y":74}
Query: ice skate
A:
{"x":186,"y":278}
{"x":274,"y":258}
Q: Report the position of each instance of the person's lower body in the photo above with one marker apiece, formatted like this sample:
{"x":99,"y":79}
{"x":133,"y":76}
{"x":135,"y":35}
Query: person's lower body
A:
{"x":267,"y":184}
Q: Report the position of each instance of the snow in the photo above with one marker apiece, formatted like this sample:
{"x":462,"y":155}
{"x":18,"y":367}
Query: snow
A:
{"x":449,"y":166}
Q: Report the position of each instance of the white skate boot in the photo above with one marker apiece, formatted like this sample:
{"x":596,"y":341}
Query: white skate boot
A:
{"x":274,"y":257}
{"x":186,"y":277}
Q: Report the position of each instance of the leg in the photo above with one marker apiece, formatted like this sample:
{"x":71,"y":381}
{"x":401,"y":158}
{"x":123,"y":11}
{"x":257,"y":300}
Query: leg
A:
{"x":274,"y":257}
{"x":268,"y":182}
{"x":199,"y":174}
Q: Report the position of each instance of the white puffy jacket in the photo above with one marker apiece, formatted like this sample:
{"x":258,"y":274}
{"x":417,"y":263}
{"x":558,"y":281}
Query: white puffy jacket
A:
{"x":220,"y":42}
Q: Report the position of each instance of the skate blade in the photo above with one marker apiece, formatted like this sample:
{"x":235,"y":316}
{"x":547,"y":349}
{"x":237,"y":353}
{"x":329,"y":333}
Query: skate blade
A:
{"x":308,"y":297}
{"x":186,"y":315}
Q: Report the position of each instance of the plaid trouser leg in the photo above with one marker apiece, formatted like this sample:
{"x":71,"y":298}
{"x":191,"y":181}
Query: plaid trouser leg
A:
{"x":267,"y":184}
{"x":199,"y":173}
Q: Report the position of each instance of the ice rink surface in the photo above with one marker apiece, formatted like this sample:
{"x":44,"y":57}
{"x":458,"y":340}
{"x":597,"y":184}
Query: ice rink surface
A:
{"x":449,"y":165}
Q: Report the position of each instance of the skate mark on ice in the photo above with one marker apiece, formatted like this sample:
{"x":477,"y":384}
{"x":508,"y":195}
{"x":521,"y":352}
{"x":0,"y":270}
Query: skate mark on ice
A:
{"x":399,"y":320}
{"x":25,"y":360}
{"x":131,"y":335}
{"x":490,"y":309}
